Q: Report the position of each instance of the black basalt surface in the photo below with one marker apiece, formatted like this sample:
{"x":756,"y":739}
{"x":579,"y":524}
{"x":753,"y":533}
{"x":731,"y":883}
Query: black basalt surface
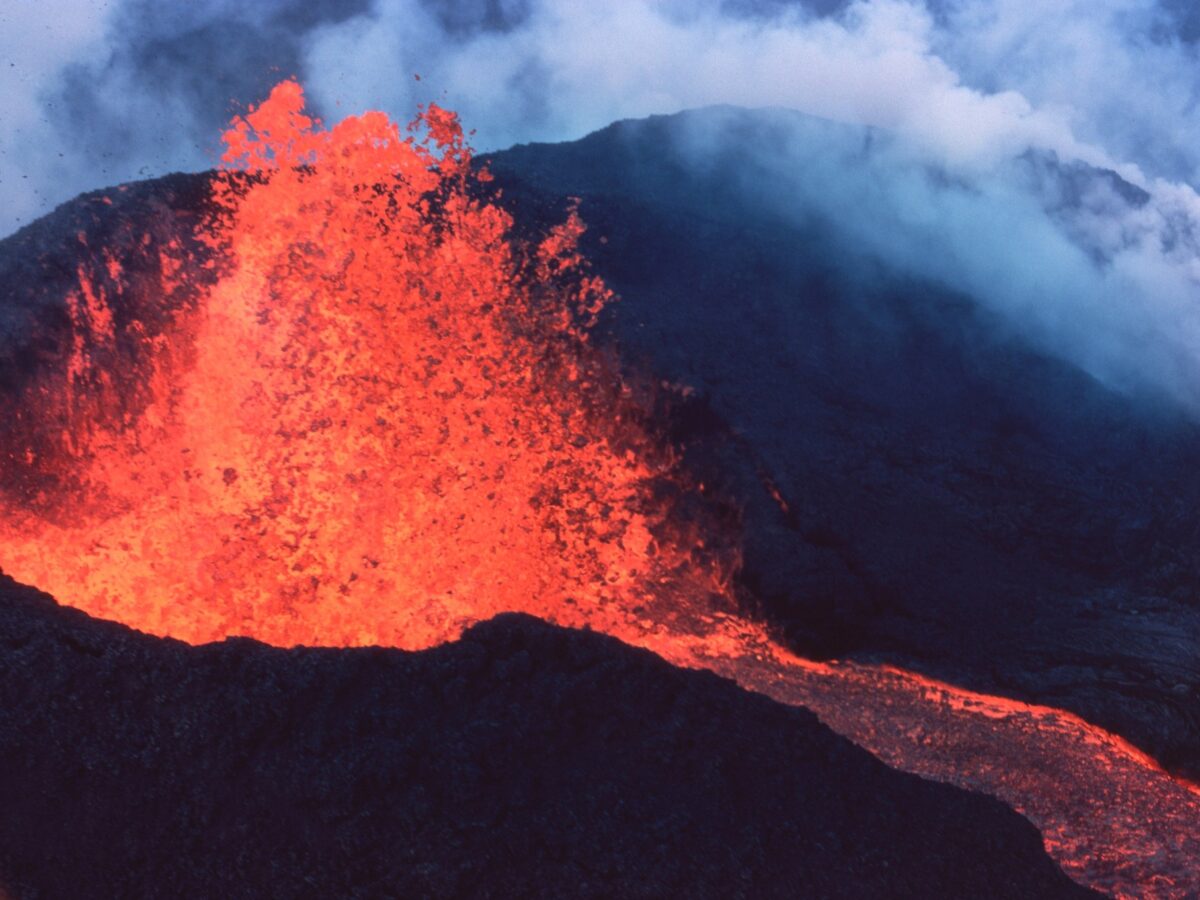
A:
{"x":954,"y":499}
{"x":131,"y":224}
{"x":523,"y":760}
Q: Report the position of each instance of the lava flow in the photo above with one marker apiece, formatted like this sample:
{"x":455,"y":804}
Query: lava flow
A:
{"x":379,"y":418}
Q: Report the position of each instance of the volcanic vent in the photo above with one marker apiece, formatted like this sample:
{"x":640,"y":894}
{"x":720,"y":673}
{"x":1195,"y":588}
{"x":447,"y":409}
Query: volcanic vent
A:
{"x":373,"y":418}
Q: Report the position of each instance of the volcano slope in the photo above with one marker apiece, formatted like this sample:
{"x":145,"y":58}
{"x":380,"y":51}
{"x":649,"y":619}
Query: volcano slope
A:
{"x":521,"y":760}
{"x":748,"y":430}
{"x":920,"y":483}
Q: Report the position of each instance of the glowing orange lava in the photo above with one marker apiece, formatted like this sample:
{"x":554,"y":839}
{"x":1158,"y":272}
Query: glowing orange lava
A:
{"x":383,"y":396}
{"x":376,"y":416}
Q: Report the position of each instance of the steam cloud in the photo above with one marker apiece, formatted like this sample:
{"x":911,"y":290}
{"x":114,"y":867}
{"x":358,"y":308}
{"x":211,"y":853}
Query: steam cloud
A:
{"x":1042,"y":157}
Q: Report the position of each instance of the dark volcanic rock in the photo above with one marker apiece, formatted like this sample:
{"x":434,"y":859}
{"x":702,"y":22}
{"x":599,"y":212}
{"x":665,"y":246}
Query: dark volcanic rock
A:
{"x":133,"y":224}
{"x":954,"y":499}
{"x":128,"y":244}
{"x":524,"y":760}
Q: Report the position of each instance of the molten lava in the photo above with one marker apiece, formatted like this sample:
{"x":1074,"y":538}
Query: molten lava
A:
{"x":369,"y":414}
{"x":382,"y":422}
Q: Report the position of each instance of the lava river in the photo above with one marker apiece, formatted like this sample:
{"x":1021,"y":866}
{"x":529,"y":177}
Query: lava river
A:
{"x":378,"y":417}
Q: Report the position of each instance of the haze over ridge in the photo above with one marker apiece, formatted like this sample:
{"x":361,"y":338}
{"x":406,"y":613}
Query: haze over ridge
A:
{"x":979,"y":98}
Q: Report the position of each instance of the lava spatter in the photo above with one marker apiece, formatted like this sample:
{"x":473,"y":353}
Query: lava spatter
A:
{"x":382,"y":422}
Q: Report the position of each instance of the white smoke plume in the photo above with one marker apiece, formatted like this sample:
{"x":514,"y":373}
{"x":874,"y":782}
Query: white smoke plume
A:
{"x":1012,"y":103}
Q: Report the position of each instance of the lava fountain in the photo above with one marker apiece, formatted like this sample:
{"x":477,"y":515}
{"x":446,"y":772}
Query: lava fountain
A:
{"x":382,"y":394}
{"x":357,"y":409}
